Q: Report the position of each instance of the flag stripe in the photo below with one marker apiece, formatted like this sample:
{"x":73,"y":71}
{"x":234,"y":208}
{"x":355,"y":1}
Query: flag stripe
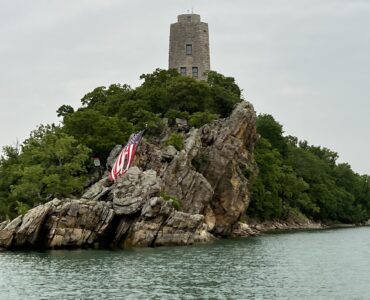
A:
{"x":126,"y":157}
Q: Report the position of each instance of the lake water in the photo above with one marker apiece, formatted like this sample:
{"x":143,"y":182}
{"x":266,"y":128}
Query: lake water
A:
{"x":328,"y":264}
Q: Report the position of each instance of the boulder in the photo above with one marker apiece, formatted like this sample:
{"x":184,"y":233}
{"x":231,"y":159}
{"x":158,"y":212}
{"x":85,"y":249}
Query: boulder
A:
{"x":161,"y":225}
{"x":58,"y":224}
{"x":243,"y":230}
{"x":179,"y":229}
{"x":99,"y":190}
{"x":131,"y":191}
{"x":28,"y":231}
{"x":78,"y":223}
{"x":181,"y":124}
{"x":7,"y":234}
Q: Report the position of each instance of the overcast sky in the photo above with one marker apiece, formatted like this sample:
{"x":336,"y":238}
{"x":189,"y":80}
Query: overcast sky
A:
{"x":305,"y":62}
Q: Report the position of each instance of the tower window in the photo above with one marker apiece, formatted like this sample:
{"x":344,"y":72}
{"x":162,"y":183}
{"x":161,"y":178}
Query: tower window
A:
{"x":195,"y":72}
{"x":183,"y":71}
{"x":189,"y":49}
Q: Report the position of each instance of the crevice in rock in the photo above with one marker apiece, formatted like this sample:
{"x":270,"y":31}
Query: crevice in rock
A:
{"x":42,"y":234}
{"x":106,"y":239}
{"x":152,"y":244}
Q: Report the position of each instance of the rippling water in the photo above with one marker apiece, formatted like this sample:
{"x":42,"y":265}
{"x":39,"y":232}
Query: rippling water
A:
{"x":330,"y":264}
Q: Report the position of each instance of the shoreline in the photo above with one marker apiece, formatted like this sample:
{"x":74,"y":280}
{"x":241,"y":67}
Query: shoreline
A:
{"x":255,"y":228}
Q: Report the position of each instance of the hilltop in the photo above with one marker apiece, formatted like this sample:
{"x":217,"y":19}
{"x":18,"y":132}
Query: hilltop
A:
{"x":210,"y":162}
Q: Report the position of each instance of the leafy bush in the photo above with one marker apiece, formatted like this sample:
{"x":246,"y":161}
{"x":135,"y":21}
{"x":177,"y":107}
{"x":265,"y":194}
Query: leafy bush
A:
{"x":198,"y":119}
{"x":175,"y":201}
{"x":176,"y":140}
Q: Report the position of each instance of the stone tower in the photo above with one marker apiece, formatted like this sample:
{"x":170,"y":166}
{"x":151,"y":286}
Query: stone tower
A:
{"x":189,"y":46}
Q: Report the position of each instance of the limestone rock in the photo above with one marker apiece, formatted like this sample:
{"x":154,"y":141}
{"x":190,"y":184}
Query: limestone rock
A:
{"x":24,"y":230}
{"x":209,"y":218}
{"x":180,"y":178}
{"x":228,"y":146}
{"x":57,"y":224}
{"x":32,"y":222}
{"x":210,"y":176}
{"x":78,"y":223}
{"x":181,"y":124}
{"x":169,"y":153}
{"x":98,"y":190}
{"x":3,"y":224}
{"x":8,"y":232}
{"x":144,"y":232}
{"x":179,"y":229}
{"x":243,"y":230}
{"x":131,"y":191}
{"x":161,"y":225}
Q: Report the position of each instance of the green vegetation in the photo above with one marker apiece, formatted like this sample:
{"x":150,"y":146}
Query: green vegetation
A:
{"x":175,"y":201}
{"x":56,"y":160}
{"x":176,"y":140}
{"x":48,"y":164}
{"x":296,"y":179}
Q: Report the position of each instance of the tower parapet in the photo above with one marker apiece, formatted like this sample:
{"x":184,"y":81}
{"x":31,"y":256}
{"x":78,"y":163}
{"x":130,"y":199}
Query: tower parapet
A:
{"x":189,"y":46}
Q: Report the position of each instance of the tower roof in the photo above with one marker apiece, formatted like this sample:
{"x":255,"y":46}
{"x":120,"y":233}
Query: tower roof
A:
{"x":186,"y":18}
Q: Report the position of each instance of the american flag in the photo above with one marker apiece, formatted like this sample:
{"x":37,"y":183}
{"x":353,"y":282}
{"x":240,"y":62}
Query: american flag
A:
{"x":126,"y":157}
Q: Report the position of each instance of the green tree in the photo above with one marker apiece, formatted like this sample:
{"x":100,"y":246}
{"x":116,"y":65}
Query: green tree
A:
{"x":271,"y":130}
{"x":198,"y":119}
{"x":65,"y":110}
{"x":96,"y":131}
{"x":266,"y":202}
{"x":50,"y":164}
{"x":225,"y":93}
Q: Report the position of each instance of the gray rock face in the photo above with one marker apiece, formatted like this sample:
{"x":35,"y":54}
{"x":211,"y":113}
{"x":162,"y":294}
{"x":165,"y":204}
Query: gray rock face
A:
{"x":3,"y":224}
{"x":98,"y":190}
{"x":77,"y":223}
{"x":180,"y":178}
{"x":211,"y":174}
{"x":160,"y":224}
{"x":181,"y":124}
{"x":59,"y":224}
{"x":229,"y":151}
{"x":133,"y":190}
{"x":208,"y":181}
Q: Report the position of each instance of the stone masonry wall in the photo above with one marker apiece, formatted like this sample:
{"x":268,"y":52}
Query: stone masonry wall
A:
{"x":189,"y":30}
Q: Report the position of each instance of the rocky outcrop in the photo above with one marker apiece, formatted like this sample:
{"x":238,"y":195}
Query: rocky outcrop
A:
{"x":211,"y":174}
{"x":171,"y":198}
{"x":133,"y":190}
{"x":137,"y":217}
{"x":278,"y":225}
{"x":59,"y":224}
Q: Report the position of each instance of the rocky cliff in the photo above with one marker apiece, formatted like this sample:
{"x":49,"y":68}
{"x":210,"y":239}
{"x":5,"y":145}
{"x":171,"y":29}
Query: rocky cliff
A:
{"x":169,"y":198}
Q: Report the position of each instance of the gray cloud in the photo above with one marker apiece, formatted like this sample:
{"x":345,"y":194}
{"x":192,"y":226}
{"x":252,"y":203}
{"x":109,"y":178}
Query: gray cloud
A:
{"x":305,"y":62}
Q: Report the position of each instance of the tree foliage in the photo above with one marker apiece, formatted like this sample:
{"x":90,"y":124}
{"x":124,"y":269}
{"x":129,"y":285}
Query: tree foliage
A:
{"x":49,"y":164}
{"x":294,"y":174}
